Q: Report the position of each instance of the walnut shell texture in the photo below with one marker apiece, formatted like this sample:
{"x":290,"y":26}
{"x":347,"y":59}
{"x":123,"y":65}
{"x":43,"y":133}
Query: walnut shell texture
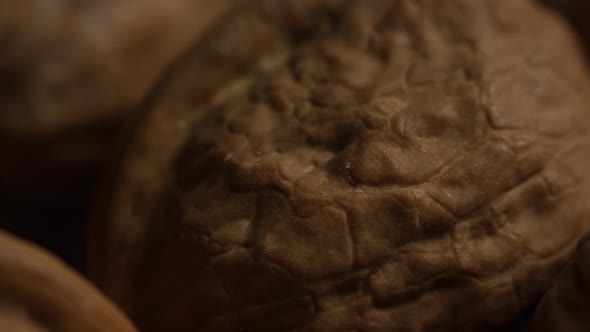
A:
{"x":39,"y":293}
{"x":353,"y":166}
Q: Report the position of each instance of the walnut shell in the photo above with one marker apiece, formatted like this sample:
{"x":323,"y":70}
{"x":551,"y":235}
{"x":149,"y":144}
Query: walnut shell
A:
{"x":92,"y":61}
{"x":71,"y":73}
{"x":353,"y":166}
{"x":88,"y":65}
{"x":39,"y":293}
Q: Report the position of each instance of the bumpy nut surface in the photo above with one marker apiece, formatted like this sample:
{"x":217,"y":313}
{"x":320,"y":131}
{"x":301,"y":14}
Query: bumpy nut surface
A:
{"x":39,"y":293}
{"x":353,"y":166}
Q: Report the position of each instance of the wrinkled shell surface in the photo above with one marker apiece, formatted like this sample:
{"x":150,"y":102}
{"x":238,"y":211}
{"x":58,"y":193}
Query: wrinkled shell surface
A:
{"x":38,"y":293}
{"x":353,"y":165}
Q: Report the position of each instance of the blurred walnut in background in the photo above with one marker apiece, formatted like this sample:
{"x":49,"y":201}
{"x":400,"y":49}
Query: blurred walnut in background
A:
{"x":38,"y":293}
{"x":71,"y":71}
{"x":89,"y":60}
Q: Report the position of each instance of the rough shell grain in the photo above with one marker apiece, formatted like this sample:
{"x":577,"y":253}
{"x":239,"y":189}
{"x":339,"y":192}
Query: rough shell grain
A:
{"x":353,"y":166}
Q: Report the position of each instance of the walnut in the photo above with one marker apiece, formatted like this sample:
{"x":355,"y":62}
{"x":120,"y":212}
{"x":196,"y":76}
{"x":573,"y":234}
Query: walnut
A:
{"x":39,"y":293}
{"x":71,"y":73}
{"x":92,"y":62}
{"x":353,"y":166}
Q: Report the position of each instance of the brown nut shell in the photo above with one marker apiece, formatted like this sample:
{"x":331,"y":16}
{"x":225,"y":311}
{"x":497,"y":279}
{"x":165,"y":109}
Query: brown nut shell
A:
{"x":71,"y":73}
{"x":353,"y":165}
{"x":40,"y":293}
{"x":88,"y":62}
